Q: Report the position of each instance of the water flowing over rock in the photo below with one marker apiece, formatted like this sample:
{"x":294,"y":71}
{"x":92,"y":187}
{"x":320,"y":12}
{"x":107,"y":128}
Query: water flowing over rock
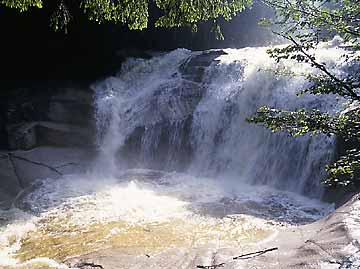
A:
{"x":186,"y":111}
{"x":181,"y":179}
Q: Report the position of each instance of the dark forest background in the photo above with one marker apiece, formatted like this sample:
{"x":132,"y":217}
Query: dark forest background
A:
{"x":30,"y":51}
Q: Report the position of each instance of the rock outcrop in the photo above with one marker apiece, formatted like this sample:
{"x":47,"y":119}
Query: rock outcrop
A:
{"x":194,"y":69}
{"x":60,"y":117}
{"x":30,"y":135}
{"x":50,"y":133}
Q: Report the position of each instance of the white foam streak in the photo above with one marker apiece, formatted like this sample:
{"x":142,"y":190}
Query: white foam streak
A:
{"x":16,"y":225}
{"x":117,"y":95}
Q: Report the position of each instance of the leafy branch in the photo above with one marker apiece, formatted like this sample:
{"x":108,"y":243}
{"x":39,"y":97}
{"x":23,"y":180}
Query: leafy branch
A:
{"x":135,"y":13}
{"x":304,"y":24}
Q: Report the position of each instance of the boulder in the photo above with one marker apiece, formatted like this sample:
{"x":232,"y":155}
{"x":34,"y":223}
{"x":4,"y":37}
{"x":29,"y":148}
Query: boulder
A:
{"x":63,"y":135}
{"x":42,"y":116}
{"x":33,"y":134}
{"x":22,"y":136}
{"x":71,"y":106}
{"x":194,"y":69}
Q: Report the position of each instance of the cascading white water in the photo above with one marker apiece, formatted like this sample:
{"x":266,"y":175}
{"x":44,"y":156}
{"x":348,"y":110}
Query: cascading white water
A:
{"x":215,"y":180}
{"x":122,"y":103}
{"x":189,"y":110}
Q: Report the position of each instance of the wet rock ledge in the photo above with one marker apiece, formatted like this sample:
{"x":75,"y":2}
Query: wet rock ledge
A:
{"x":47,"y":131}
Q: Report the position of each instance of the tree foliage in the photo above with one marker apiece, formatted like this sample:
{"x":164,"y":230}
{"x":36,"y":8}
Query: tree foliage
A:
{"x":304,"y":24}
{"x":22,"y":5}
{"x":135,"y":13}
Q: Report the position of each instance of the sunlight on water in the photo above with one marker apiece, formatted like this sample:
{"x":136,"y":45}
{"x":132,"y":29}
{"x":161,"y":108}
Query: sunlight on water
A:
{"x":136,"y":216}
{"x":55,"y":242}
{"x":142,"y":212}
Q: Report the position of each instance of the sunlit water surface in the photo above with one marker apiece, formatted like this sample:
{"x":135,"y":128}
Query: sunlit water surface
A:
{"x":143,"y":212}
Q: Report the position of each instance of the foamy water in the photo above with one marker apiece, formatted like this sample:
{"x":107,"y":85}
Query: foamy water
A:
{"x":143,"y":211}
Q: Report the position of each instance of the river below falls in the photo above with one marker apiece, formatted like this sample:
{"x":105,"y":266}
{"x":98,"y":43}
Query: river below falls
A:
{"x":143,"y":212}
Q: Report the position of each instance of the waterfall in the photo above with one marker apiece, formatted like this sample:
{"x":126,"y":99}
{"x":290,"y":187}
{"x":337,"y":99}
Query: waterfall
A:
{"x":178,"y":165}
{"x":186,"y":111}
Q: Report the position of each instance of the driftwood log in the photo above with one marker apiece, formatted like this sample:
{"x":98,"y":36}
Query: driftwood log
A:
{"x":241,"y":257}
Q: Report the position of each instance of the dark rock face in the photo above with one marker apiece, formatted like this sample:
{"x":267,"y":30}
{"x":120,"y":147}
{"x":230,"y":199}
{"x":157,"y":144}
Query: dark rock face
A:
{"x":22,"y":136}
{"x":166,"y":152}
{"x":194,"y":69}
{"x":34,"y":134}
{"x":64,"y":135}
{"x":58,"y":117}
{"x":71,"y":106}
{"x":55,"y":128}
{"x":9,"y":183}
{"x":3,"y":131}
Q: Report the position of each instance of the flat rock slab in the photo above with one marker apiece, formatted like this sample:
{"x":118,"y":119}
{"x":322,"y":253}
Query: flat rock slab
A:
{"x":324,"y":244}
{"x":20,"y":169}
